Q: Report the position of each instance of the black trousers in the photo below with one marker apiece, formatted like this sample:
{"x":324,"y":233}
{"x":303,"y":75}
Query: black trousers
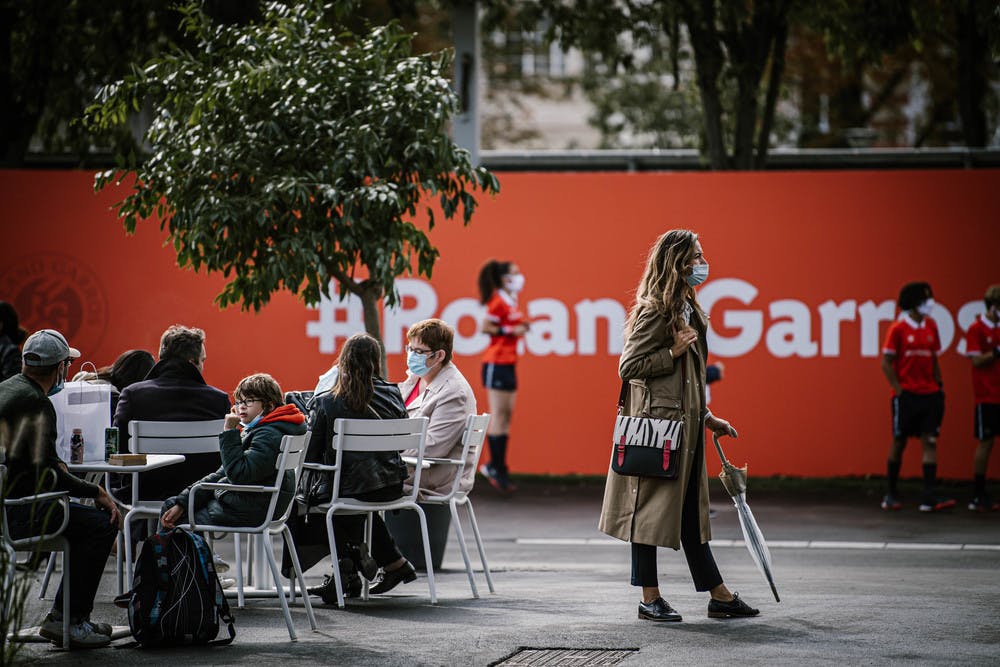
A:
{"x":90,"y":534}
{"x":704,"y":572}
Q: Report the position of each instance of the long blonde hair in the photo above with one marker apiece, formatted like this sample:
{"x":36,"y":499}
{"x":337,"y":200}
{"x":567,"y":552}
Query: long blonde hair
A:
{"x":664,"y":287}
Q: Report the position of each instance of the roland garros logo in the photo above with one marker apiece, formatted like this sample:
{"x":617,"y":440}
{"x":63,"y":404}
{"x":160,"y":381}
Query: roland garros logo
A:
{"x":52,"y":291}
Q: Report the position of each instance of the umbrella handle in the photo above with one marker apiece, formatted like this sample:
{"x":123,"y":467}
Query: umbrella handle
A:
{"x":718,"y":448}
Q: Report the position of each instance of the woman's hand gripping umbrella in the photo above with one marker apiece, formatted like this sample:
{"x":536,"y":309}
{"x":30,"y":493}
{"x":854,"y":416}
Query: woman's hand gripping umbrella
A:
{"x":735,"y":481}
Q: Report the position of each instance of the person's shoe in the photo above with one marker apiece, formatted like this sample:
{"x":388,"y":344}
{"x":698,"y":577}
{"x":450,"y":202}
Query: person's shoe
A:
{"x":363,"y":561}
{"x":931,"y":503}
{"x":891,"y":503}
{"x":226,"y":582}
{"x":658,"y":610}
{"x":81,"y":635}
{"x":328,"y":589}
{"x":102,"y":628}
{"x":735,"y":608}
{"x":983,"y":504}
{"x":497,"y":480}
{"x":392,"y":578}
{"x":221,"y":565}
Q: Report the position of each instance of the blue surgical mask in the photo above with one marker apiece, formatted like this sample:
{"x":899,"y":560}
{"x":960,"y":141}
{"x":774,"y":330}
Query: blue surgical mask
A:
{"x":58,"y":386}
{"x":417,"y":363}
{"x":699,"y":274}
{"x":253,"y":422}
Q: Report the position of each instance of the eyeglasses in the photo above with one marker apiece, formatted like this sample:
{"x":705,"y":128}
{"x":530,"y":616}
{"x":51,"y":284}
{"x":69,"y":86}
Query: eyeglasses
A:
{"x":245,"y":403}
{"x":416,"y":350}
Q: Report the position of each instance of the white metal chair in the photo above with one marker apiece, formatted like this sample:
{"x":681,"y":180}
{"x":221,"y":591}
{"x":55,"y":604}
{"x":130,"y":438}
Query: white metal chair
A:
{"x":293,"y":448}
{"x":154,"y":437}
{"x":374,"y":435}
{"x":52,"y":540}
{"x":472,"y":441}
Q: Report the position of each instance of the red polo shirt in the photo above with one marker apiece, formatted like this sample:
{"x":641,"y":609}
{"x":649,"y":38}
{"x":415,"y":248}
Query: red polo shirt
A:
{"x":913,"y":347}
{"x":502,"y":310}
{"x":983,"y":337}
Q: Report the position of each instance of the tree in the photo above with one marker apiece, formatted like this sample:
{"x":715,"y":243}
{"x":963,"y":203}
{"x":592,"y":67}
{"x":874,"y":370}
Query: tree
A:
{"x":290,"y":152}
{"x":741,"y":41}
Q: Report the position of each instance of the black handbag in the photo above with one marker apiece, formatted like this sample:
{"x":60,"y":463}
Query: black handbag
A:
{"x":644,"y":446}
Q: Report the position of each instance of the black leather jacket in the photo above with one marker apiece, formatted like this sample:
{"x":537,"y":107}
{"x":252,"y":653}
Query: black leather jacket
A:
{"x":363,"y":472}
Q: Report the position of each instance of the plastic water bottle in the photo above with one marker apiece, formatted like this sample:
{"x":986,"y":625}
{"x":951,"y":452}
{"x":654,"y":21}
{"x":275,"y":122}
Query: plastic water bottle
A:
{"x":76,"y":446}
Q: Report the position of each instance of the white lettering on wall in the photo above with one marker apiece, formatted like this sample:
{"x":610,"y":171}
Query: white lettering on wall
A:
{"x":794,"y":335}
{"x":871,"y":317}
{"x":786,"y":332}
{"x":749,"y":322}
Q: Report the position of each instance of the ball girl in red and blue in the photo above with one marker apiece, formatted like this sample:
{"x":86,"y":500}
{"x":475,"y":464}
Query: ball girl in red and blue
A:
{"x":499,"y":286}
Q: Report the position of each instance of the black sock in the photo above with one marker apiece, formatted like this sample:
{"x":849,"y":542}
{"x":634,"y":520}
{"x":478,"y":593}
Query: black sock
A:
{"x":892,"y":471}
{"x":930,"y":474}
{"x":979,"y":485}
{"x":498,"y":453}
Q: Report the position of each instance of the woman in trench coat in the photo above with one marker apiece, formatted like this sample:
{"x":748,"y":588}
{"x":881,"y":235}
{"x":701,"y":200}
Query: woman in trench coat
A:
{"x":663,"y":362}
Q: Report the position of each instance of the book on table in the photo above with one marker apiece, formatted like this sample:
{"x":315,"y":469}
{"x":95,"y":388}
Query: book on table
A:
{"x":127,"y":459}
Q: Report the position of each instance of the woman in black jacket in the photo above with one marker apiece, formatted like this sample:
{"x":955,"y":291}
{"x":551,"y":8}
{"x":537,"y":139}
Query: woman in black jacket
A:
{"x":360,"y":393}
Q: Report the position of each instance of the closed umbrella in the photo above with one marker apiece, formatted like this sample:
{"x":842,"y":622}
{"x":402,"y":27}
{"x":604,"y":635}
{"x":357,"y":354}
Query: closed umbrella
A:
{"x":735,"y":481}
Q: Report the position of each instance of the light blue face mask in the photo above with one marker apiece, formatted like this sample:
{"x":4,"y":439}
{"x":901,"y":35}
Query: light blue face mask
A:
{"x":253,"y":422}
{"x":58,"y":386}
{"x":417,"y":363}
{"x":699,"y":274}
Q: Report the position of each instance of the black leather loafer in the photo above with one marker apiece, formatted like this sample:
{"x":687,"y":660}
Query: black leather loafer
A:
{"x":658,"y":610}
{"x":735,"y":608}
{"x":392,"y":578}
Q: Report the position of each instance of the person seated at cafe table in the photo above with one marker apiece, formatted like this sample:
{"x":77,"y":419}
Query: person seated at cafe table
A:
{"x":28,"y":437}
{"x":250,"y":446}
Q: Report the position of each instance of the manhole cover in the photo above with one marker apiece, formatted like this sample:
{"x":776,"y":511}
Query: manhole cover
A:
{"x":567,"y":657}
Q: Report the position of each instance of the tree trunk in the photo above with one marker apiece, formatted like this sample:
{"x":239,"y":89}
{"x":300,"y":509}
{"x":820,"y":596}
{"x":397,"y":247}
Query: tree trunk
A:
{"x":778,"y":47}
{"x":699,"y":15}
{"x":973,"y":55}
{"x":371,"y":295}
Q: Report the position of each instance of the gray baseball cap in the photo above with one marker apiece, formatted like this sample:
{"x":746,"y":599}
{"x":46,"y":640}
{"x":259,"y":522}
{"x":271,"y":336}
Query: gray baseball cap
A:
{"x":47,"y":348}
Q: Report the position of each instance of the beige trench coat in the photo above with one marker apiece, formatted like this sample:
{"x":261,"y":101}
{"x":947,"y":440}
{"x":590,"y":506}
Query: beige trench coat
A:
{"x":647,"y":510}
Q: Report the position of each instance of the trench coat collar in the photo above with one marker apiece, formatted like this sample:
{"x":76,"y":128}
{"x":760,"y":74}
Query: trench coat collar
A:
{"x":432,"y":388}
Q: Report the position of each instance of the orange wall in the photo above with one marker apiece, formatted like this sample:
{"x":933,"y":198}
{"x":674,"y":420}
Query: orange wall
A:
{"x":796,"y":246}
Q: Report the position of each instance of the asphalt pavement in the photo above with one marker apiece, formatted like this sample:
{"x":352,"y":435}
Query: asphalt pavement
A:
{"x":857,"y":585}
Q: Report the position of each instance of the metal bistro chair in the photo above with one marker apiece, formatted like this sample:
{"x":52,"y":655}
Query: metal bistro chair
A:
{"x":374,"y":435}
{"x":293,"y":448}
{"x":153,"y":437}
{"x":49,"y":541}
{"x":472,"y":442}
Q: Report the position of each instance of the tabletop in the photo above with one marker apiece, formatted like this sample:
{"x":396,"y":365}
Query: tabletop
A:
{"x":153,"y":461}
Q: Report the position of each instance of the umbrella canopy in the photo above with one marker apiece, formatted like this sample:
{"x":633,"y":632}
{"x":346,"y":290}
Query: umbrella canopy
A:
{"x":735,"y":481}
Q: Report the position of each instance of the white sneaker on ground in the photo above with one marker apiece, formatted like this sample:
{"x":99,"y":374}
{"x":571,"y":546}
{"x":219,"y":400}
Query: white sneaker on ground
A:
{"x":220,"y":564}
{"x":227,"y":582}
{"x":81,"y":635}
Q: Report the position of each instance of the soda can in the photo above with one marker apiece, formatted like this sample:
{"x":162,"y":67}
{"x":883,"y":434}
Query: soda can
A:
{"x":110,"y":441}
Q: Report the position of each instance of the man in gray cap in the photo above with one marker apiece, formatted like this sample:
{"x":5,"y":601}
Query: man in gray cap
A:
{"x":28,"y":439}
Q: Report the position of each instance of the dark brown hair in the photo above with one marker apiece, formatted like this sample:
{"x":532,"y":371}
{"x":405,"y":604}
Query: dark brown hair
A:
{"x":357,"y":368}
{"x":435,"y":334}
{"x":182,"y":342}
{"x":260,"y":386}
{"x":491,"y":278}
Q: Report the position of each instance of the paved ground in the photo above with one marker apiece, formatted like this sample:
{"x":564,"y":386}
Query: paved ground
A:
{"x":858,"y":586}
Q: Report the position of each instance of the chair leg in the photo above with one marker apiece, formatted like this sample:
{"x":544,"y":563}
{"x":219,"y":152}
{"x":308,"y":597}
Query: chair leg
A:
{"x":286,"y":535}
{"x":479,"y":543}
{"x":237,"y":543}
{"x":461,"y":546}
{"x":49,"y":568}
{"x":281,"y":594}
{"x":335,"y":559}
{"x":427,"y":551}
{"x":119,"y":569}
{"x":128,"y":550}
{"x":250,"y":555}
{"x":65,"y":591}
{"x":368,"y":543}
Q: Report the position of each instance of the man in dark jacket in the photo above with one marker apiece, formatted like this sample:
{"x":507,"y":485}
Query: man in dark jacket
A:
{"x":174,"y":390}
{"x":28,"y":439}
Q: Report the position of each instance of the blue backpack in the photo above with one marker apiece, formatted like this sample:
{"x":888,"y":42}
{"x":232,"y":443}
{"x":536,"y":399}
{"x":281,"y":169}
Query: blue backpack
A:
{"x":176,"y":596}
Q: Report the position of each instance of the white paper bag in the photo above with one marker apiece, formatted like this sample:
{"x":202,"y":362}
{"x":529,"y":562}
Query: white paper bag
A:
{"x":86,"y":406}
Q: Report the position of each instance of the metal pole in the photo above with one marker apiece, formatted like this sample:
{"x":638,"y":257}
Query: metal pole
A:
{"x":465,"y":127}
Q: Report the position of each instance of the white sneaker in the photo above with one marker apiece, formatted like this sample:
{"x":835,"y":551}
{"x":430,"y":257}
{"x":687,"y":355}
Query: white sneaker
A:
{"x":220,"y":564}
{"x":81,"y":635}
{"x":227,"y":582}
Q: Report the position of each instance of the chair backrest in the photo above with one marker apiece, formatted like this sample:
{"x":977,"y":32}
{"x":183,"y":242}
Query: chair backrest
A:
{"x":293,"y":455}
{"x":189,"y":437}
{"x":379,"y":435}
{"x":472,"y":442}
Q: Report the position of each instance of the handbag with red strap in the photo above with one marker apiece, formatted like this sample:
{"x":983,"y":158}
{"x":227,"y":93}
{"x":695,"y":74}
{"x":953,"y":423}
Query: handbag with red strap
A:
{"x":645,"y":447}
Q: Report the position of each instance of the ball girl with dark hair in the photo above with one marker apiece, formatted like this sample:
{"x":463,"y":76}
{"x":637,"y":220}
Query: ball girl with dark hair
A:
{"x":500,"y":283}
{"x":910,"y":364}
